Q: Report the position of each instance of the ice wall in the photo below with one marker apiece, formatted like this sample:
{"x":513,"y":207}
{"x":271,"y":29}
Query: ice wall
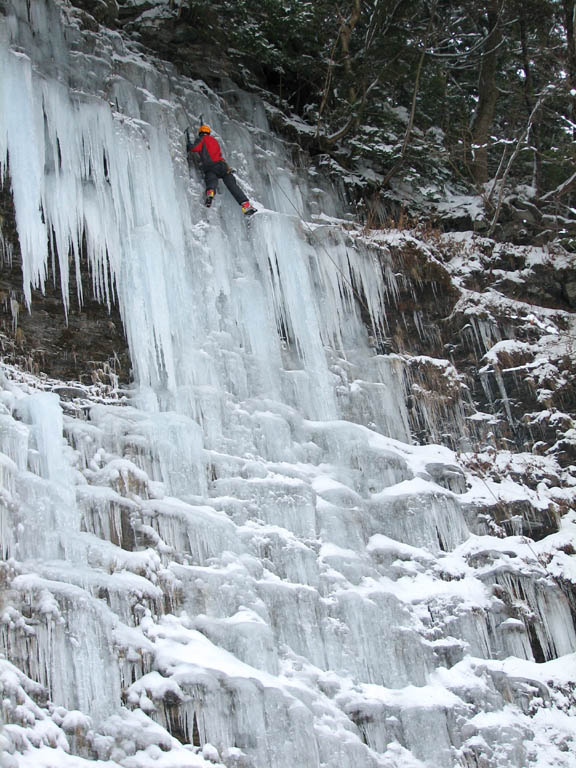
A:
{"x":95,"y":147}
{"x":246,"y":561}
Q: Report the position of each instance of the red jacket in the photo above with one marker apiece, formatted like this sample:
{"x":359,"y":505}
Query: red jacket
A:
{"x":208,"y":149}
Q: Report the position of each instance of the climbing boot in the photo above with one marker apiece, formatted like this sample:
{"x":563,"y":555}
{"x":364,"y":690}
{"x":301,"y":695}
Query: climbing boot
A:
{"x":248,"y":209}
{"x":209,"y":198}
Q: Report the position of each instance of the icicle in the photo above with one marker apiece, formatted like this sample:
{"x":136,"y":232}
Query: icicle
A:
{"x":42,"y":411}
{"x":22,"y":146}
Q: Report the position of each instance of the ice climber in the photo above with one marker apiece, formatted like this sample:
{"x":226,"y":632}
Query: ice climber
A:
{"x":215,"y":167}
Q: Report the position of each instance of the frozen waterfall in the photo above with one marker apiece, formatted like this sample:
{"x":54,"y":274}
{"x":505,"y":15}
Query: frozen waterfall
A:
{"x":248,"y":562}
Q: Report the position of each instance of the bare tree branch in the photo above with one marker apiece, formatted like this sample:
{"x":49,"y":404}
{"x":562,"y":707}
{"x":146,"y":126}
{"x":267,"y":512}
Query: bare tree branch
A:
{"x":327,"y":81}
{"x":560,"y":190}
{"x":519,"y":144}
{"x":400,"y":159}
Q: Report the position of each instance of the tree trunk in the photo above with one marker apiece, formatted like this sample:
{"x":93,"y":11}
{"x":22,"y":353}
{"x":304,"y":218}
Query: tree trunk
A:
{"x":530,"y":99}
{"x":487,"y":93}
{"x":569,"y":20}
{"x":345,"y":35}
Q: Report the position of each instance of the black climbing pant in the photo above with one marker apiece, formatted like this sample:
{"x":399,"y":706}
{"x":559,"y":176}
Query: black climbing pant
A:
{"x":220,"y":170}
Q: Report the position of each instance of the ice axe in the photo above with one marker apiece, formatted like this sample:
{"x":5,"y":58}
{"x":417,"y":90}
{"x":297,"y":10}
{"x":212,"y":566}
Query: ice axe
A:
{"x":187,"y":133}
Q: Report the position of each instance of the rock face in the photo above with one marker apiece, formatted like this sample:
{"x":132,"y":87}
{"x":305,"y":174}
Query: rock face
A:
{"x":85,"y":344}
{"x":331,"y":523}
{"x":103,"y":11}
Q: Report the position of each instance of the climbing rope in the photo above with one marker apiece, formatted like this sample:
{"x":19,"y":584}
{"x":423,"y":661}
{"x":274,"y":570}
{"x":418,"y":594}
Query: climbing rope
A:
{"x":537,"y":558}
{"x":338,"y":268}
{"x":305,"y":223}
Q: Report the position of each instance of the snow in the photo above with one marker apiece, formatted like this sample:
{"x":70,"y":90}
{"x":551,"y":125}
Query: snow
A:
{"x":229,"y":564}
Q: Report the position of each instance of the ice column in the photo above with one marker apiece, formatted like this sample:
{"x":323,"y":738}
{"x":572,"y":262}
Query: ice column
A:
{"x":51,"y":515}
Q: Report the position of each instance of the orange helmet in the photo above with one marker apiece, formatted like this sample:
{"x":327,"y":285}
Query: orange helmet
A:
{"x":204,"y":129}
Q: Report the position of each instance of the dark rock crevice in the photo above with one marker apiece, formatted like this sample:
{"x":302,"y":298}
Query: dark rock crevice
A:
{"x":89,"y":345}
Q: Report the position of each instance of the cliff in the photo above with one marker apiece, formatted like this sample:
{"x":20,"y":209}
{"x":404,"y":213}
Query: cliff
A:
{"x":293,"y":490}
